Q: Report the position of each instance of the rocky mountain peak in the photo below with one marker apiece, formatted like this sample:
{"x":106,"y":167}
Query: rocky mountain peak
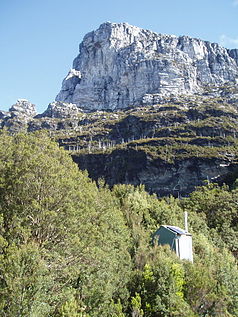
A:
{"x":181,"y":123}
{"x":119,"y":65}
{"x":23,"y":107}
{"x":18,"y":116}
{"x":61,"y":110}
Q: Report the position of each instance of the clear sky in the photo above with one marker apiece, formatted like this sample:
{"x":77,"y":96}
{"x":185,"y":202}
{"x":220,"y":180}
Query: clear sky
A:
{"x":39,"y":38}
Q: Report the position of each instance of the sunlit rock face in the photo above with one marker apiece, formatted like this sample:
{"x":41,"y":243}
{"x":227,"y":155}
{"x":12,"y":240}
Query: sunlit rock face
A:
{"x":18,"y":116}
{"x":23,"y":107}
{"x":119,"y":65}
{"x":60,"y":110}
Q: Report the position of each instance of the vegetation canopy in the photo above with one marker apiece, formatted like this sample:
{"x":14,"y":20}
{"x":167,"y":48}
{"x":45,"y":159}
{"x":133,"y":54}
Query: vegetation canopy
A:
{"x":69,"y":248}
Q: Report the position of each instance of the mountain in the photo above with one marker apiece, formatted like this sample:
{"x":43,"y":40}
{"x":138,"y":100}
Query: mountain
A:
{"x":145,"y":108}
{"x":18,"y":116}
{"x":120,"y":65}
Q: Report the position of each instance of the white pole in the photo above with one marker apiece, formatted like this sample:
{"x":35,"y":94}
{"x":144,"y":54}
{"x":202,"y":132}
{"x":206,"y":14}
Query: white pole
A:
{"x":186,"y":221}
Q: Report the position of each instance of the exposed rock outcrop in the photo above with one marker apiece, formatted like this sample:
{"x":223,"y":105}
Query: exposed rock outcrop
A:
{"x":174,"y":122}
{"x":60,"y":110}
{"x":18,"y":116}
{"x":120,"y":65}
{"x":163,"y":178}
{"x":4,"y":115}
{"x":234,"y":54}
{"x":23,"y":108}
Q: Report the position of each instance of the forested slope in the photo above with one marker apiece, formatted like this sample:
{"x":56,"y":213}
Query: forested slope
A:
{"x":70,"y":248}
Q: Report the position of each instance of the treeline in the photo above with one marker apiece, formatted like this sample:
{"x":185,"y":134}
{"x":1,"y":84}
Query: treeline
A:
{"x":69,"y":248}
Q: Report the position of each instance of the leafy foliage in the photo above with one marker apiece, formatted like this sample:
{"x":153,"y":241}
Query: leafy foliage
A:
{"x":71,"y":248}
{"x":55,"y":221}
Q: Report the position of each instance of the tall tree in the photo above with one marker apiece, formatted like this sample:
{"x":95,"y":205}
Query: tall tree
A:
{"x":60,"y":236}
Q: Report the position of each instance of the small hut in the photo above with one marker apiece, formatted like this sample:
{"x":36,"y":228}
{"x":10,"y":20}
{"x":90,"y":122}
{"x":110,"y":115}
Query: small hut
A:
{"x":178,"y":239}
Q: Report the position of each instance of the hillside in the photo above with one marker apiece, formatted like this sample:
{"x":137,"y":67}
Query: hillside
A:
{"x":71,"y":248}
{"x":138,"y":108}
{"x":144,"y":108}
{"x":170,"y":147}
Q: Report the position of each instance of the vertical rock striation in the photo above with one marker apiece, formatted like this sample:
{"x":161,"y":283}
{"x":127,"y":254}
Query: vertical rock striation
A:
{"x":120,"y":65}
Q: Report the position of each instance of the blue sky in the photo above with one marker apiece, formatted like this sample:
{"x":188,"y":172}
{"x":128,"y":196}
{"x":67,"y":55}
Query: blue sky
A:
{"x":40,"y":38}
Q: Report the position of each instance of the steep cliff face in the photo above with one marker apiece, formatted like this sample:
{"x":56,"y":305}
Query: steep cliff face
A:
{"x":174,"y":123}
{"x":120,"y":65}
{"x":170,"y":148}
{"x":135,"y":167}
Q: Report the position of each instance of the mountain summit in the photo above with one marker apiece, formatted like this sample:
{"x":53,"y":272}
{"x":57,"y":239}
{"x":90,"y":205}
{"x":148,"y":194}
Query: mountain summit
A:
{"x":175,"y":118}
{"x":120,"y":65}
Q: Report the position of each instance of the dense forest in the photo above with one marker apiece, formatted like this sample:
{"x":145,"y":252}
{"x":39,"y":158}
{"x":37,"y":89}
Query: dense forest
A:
{"x":72,"y":248}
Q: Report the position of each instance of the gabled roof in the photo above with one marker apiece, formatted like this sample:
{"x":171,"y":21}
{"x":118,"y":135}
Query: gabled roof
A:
{"x":177,"y":230}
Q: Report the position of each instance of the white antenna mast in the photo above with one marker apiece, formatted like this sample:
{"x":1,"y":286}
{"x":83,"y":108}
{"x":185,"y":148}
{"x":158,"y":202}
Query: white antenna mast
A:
{"x":186,"y":221}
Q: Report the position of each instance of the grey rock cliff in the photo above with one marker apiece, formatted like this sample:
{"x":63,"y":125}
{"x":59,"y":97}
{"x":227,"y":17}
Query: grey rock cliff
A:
{"x":18,"y":116}
{"x":158,"y":176}
{"x":120,"y":65}
{"x":60,"y":110}
{"x":23,"y":108}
